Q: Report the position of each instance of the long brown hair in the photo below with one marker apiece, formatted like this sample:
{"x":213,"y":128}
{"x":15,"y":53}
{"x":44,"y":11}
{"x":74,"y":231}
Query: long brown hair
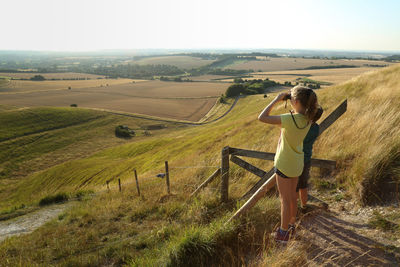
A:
{"x":308,"y":99}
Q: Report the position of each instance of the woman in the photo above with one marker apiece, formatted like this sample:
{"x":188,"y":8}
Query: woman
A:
{"x":289,"y":157}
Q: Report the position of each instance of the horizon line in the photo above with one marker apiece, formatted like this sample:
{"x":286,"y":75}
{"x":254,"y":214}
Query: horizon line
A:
{"x":198,"y":49}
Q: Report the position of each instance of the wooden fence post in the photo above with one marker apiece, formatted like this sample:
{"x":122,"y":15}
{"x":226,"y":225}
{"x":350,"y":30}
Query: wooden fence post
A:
{"x":224,"y":174}
{"x":119,"y":185}
{"x":137,"y":183}
{"x":167,"y":177}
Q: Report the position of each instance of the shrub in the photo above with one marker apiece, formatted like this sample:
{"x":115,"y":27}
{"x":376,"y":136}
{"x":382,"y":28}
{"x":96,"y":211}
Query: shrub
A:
{"x":58,"y":198}
{"x":257,"y":87}
{"x":235,"y":90}
{"x":287,"y":83}
{"x":249,"y":91}
{"x":38,"y":78}
{"x":123,"y":131}
{"x":73,"y":105}
{"x":380,"y":222}
{"x":82,"y":194}
{"x":238,"y":80}
{"x":222,"y":99}
{"x":268,"y":83}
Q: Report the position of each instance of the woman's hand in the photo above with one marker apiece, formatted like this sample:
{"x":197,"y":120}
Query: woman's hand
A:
{"x":281,"y":96}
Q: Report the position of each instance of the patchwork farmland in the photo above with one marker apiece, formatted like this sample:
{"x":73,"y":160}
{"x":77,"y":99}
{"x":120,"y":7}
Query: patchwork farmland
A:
{"x":49,"y":76}
{"x":188,"y":101}
{"x":288,"y":63}
{"x":184,"y":62}
{"x":22,"y":86}
{"x":180,"y":101}
{"x":331,"y":76}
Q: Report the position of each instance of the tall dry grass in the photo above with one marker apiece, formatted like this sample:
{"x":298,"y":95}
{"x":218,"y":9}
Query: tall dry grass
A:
{"x":367,"y":136}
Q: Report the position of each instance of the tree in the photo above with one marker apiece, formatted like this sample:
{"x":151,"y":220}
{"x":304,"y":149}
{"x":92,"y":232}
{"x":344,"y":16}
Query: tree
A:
{"x":255,"y":87}
{"x":235,"y":90}
{"x":38,"y":78}
{"x":287,"y":83}
{"x":238,"y":80}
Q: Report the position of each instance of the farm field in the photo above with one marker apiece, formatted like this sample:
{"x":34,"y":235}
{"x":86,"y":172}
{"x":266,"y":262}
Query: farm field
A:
{"x":181,"y":101}
{"x":209,"y":77}
{"x":184,"y":62}
{"x":160,"y":89}
{"x":332,"y":76}
{"x":13,"y":86}
{"x":63,"y":75}
{"x":283,"y":63}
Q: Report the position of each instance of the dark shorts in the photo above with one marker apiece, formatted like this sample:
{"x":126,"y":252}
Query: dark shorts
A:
{"x":303,"y":178}
{"x":280,"y":173}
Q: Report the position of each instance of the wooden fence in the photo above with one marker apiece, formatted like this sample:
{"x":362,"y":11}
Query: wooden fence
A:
{"x":160,"y":175}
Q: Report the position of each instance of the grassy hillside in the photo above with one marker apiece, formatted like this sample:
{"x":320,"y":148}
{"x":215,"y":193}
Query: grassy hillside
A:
{"x":29,"y":121}
{"x":156,"y":229}
{"x":35,"y":139}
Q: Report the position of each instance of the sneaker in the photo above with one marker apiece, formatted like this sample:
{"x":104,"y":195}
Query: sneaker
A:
{"x":292,"y":230}
{"x":281,"y":236}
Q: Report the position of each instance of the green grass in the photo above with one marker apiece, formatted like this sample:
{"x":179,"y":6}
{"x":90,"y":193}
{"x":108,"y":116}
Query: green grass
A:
{"x":380,"y":222}
{"x":138,"y":232}
{"x":4,"y":79}
{"x":29,"y":121}
{"x":307,"y":80}
{"x":7,"y":108}
{"x":16,"y":211}
{"x":58,"y":198}
{"x":324,"y":185}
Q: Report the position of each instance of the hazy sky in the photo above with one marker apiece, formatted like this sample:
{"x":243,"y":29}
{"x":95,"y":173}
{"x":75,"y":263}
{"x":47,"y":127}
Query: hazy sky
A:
{"x":122,"y":24}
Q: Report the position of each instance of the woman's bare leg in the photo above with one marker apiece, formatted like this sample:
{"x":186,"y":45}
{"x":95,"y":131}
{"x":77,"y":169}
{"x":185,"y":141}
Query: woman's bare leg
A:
{"x":286,"y":195}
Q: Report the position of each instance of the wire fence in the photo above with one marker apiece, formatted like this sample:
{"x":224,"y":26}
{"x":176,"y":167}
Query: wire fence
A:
{"x":151,"y":180}
{"x":189,"y":167}
{"x":158,"y":178}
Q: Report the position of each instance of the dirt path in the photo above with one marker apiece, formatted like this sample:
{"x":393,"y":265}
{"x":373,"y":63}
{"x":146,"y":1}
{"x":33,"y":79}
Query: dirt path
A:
{"x":31,"y":221}
{"x":342,"y":238}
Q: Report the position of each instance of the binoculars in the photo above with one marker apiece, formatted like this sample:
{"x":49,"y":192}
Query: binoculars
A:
{"x":287,"y":97}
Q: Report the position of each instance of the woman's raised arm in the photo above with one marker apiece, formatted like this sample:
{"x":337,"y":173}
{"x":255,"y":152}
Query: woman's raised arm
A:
{"x":264,"y":115}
